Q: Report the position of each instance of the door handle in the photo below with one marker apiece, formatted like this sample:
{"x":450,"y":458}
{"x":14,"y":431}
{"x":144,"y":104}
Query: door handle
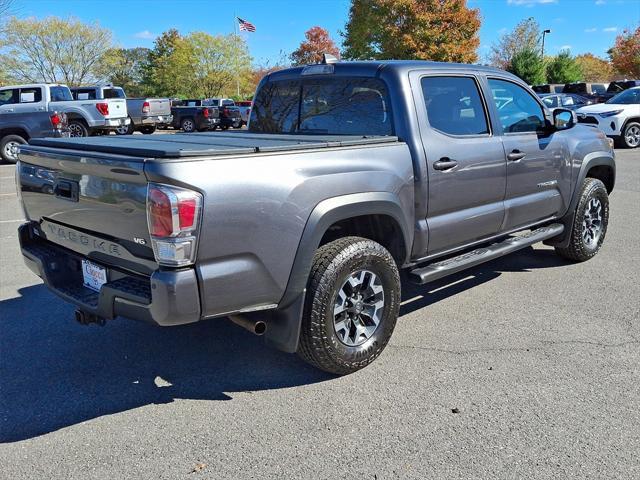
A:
{"x":516,"y":155}
{"x":445,"y":163}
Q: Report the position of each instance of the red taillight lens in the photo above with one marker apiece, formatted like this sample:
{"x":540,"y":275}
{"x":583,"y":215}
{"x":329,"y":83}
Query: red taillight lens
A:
{"x":225,"y":110}
{"x":146,"y":108}
{"x":187,"y":208}
{"x":160,"y":213}
{"x":56,"y":121}
{"x":103,"y":108}
{"x":205,"y":113}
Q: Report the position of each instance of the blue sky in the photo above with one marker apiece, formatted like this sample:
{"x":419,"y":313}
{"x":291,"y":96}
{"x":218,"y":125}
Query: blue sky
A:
{"x":581,"y":25}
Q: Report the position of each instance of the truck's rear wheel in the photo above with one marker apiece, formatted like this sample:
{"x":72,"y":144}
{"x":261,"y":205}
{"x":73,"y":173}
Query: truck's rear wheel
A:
{"x":188,"y":125}
{"x":77,"y":128}
{"x":148,"y":129}
{"x":8,"y":145}
{"x":590,"y":222}
{"x":125,"y":129}
{"x":351,"y":306}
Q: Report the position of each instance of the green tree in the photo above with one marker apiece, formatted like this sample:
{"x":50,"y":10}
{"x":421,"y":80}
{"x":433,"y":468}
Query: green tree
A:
{"x":53,"y":50}
{"x":529,"y":66}
{"x":124,"y":67}
{"x":441,"y":30}
{"x":525,"y":36}
{"x":165,"y":71}
{"x":563,"y":68}
{"x":594,"y":69}
{"x":221,"y":64}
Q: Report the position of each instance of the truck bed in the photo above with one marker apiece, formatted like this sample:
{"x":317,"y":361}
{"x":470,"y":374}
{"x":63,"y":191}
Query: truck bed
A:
{"x":209,"y":144}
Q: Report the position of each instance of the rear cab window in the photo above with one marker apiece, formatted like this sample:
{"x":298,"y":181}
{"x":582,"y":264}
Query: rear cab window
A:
{"x":332,"y":106}
{"x":113,"y":93}
{"x":30,"y":95}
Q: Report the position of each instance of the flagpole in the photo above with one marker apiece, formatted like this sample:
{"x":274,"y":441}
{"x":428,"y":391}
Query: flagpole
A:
{"x":235,"y":31}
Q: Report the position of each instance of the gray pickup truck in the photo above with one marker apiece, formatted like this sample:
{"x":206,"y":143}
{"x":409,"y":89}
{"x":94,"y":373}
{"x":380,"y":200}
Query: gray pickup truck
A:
{"x":298,"y":227}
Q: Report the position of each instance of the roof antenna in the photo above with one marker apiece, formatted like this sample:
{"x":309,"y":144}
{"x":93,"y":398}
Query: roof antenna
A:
{"x":327,"y":58}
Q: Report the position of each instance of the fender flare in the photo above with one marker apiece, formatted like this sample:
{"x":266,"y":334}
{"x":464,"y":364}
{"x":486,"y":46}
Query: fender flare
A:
{"x":594,"y":159}
{"x":284,"y":323}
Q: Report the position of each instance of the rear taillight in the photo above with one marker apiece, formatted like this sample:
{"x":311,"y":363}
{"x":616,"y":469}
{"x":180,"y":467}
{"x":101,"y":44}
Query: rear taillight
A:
{"x":58,"y":120}
{"x":146,"y":108}
{"x":103,"y":108}
{"x":205,"y":113}
{"x":225,"y":110}
{"x":173,"y":215}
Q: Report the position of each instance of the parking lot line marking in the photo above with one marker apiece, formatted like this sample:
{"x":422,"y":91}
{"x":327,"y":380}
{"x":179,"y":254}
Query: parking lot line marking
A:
{"x":12,"y":221}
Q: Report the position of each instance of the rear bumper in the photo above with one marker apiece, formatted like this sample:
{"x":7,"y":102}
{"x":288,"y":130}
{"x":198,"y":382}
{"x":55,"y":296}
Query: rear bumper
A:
{"x":230,"y":122}
{"x":166,"y":297}
{"x":156,"y":119}
{"x":112,"y":123}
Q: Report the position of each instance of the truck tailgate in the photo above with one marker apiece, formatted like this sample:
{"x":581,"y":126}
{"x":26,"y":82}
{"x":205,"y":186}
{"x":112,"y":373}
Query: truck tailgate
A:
{"x":94,"y":205}
{"x":159,"y":106}
{"x":117,"y":108}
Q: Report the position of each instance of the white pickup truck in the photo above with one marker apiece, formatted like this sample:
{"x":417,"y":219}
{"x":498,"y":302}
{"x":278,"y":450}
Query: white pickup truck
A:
{"x":86,"y":117}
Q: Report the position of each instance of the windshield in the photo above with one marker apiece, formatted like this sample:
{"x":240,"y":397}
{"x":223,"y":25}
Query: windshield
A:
{"x":60,"y":94}
{"x":628,"y":97}
{"x":331,"y":106}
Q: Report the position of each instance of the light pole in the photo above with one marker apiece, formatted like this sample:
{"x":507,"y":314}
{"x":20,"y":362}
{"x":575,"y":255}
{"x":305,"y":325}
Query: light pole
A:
{"x":544,"y":32}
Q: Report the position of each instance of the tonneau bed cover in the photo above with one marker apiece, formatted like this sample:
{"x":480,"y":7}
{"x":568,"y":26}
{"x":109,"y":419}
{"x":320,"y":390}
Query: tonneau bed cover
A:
{"x":181,"y":145}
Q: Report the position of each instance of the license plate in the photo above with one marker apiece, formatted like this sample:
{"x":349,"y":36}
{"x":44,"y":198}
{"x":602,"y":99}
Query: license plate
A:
{"x":93,"y":276}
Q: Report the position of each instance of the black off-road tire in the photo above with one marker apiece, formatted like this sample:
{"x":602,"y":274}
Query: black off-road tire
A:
{"x":148,"y":129}
{"x":578,"y":250}
{"x":332,"y":264}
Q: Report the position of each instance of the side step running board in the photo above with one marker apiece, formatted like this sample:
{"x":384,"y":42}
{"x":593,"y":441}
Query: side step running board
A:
{"x":437,"y":270}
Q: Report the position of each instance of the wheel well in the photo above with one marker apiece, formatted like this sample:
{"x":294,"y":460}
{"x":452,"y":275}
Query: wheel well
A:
{"x":14,"y":131}
{"x":76,"y":116}
{"x":380,"y":228}
{"x":633,"y":119}
{"x":604,"y":173}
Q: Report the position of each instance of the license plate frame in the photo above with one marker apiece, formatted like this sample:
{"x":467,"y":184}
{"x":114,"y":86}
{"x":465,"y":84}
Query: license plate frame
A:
{"x":93,"y":276}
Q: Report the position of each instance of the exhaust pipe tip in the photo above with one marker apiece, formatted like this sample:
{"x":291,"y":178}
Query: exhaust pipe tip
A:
{"x":257,"y":327}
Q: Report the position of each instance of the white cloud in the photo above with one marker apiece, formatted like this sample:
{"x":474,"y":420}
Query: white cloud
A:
{"x":610,"y":29}
{"x":503,"y":30}
{"x":146,"y":35}
{"x":565,"y":47}
{"x":530,"y":3}
{"x":600,"y":2}
{"x":591,"y":30}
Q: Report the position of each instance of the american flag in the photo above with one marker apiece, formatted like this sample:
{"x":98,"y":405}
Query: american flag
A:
{"x":246,"y":26}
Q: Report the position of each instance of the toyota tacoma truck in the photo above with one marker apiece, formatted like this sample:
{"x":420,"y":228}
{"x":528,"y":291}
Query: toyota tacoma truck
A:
{"x":298,"y":227}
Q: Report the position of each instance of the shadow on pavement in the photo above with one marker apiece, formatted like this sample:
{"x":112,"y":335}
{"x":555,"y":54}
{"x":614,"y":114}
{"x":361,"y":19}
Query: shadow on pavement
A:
{"x":55,"y":373}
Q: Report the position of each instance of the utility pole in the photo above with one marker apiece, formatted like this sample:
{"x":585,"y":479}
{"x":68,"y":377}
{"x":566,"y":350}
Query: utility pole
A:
{"x":544,"y":32}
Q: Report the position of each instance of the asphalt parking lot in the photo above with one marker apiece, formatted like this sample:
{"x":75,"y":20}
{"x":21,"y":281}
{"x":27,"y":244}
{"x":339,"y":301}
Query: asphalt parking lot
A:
{"x":540,"y":359}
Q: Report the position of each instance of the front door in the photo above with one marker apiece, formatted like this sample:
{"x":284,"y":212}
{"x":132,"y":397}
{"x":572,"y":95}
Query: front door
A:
{"x":466,"y":163}
{"x":538,"y":162}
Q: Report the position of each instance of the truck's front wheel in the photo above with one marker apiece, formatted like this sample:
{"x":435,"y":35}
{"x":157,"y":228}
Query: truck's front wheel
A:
{"x":351,"y":306}
{"x":590,"y":222}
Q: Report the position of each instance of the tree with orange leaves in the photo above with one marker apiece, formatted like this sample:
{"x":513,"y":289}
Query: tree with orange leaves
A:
{"x":442,"y":30}
{"x":625,"y":53}
{"x":310,"y":50}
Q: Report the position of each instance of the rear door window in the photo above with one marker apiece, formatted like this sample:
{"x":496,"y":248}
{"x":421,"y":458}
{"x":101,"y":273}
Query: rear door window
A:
{"x":519,"y":112}
{"x":454,"y":105}
{"x":30,"y":95}
{"x":9,"y":96}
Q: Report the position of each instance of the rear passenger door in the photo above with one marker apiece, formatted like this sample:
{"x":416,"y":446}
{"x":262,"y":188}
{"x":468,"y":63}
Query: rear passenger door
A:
{"x":30,"y":101}
{"x":538,"y":162}
{"x":8,"y":99}
{"x":466,"y":163}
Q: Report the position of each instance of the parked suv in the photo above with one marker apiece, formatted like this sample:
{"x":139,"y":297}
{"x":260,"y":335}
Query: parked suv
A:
{"x":298,"y":227}
{"x":618,"y":117}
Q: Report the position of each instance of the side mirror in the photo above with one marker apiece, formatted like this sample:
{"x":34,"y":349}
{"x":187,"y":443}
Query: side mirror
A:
{"x":563,"y":119}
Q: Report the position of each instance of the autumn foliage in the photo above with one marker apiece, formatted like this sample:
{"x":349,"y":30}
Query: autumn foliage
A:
{"x":625,"y":53}
{"x":310,"y":50}
{"x":441,"y":30}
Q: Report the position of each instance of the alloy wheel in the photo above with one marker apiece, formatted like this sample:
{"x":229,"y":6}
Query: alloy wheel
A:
{"x":11,"y":151}
{"x":358,"y":308}
{"x":632,"y":136}
{"x":75,"y":130}
{"x":592,"y":222}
